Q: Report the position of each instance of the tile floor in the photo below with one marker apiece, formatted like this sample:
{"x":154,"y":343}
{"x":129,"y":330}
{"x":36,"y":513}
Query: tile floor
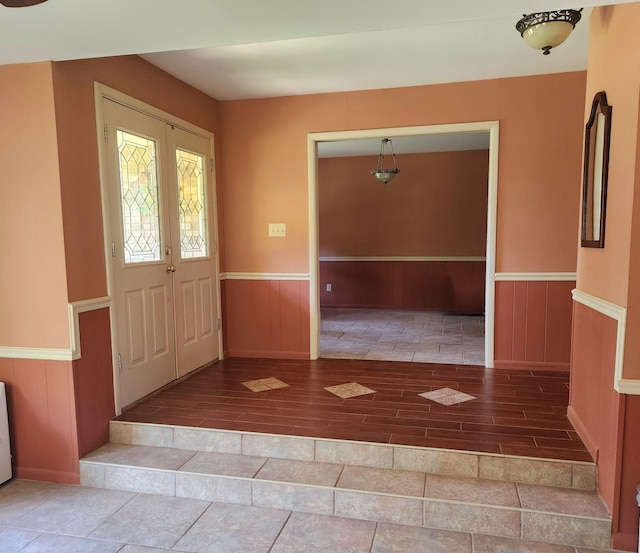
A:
{"x":388,"y":335}
{"x":39,"y":517}
{"x":515,"y":412}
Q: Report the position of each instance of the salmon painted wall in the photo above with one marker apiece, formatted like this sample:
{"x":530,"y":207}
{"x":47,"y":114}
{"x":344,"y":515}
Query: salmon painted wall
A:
{"x":265,"y":163}
{"x":33,"y":295}
{"x":73,"y":83}
{"x":609,"y":421}
{"x":436,"y":206}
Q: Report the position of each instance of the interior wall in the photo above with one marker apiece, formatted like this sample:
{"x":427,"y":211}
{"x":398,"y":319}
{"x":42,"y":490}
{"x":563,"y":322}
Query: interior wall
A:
{"x":611,"y":275}
{"x":436,"y":206}
{"x":533,"y":324}
{"x":51,"y":217}
{"x":78,"y":150}
{"x":537,"y":211}
{"x":537,"y":222}
{"x":33,"y":301}
{"x":42,"y":419}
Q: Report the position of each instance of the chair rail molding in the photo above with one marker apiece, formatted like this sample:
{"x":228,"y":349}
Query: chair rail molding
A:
{"x":536,"y":277}
{"x":405,"y":258}
{"x":264,"y":276}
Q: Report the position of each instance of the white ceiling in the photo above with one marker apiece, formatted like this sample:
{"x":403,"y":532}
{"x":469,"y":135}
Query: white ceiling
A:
{"x":233,"y":49}
{"x":442,"y":142}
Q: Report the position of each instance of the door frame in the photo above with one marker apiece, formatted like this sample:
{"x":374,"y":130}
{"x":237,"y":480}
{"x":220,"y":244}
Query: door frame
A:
{"x":102,"y":92}
{"x":492,"y":127}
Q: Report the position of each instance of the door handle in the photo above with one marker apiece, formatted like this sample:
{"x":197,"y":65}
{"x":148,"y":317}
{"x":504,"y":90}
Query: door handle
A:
{"x":171,"y":268}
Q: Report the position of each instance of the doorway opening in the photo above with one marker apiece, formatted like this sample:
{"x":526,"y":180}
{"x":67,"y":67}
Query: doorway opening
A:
{"x":483,"y":135}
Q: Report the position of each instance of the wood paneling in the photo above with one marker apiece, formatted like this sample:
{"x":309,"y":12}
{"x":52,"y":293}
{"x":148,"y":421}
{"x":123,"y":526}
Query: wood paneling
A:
{"x":93,"y":381}
{"x":266,"y":318}
{"x":594,"y":406}
{"x":42,"y":419}
{"x":455,"y":286}
{"x":533,"y":323}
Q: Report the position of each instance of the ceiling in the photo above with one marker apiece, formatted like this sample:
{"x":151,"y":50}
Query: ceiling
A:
{"x":441,"y":142}
{"x":236,"y":49}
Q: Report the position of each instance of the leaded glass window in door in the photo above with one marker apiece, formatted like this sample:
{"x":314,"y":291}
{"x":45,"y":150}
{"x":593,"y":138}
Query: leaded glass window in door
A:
{"x":139,"y":198}
{"x":192,"y":208}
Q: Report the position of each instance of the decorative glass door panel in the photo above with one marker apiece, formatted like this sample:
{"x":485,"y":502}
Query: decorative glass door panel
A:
{"x":139,"y":197}
{"x":192,"y":205}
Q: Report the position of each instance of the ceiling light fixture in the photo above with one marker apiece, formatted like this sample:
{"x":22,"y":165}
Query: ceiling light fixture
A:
{"x":20,"y":3}
{"x":546,"y":30}
{"x":382,"y":174}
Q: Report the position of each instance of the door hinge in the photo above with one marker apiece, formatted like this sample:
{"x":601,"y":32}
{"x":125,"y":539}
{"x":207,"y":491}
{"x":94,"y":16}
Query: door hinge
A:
{"x":218,"y":324}
{"x":113,"y":250}
{"x":120,"y":362}
{"x":215,"y":246}
{"x":211,"y":164}
{"x":106,"y":133}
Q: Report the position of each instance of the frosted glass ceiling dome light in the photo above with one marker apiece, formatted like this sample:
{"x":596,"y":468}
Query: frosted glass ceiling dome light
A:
{"x":546,"y":30}
{"x":382,"y":174}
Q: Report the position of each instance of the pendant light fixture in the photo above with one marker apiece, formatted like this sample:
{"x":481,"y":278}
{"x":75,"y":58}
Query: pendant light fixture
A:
{"x":382,"y":174}
{"x":546,"y":30}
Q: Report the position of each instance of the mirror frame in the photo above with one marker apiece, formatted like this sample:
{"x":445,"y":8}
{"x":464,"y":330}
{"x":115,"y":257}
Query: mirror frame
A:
{"x":596,"y":168}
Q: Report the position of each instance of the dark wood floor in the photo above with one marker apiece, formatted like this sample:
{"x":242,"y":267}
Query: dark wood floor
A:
{"x":517,"y":412}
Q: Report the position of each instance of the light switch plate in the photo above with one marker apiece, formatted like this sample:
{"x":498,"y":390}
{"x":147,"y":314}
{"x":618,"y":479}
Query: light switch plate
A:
{"x":279,"y":230}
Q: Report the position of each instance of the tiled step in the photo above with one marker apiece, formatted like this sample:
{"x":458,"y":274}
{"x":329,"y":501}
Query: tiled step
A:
{"x":488,"y":466}
{"x":249,"y":476}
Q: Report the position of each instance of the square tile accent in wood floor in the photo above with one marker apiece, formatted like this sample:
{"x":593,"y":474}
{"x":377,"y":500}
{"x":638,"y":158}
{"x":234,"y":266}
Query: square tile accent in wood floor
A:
{"x":352,"y":389}
{"x":447,"y":396}
{"x":264,"y":384}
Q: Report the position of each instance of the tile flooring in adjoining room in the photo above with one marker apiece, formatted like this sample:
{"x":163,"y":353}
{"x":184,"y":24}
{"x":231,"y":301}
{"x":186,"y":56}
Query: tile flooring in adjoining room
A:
{"x":38,"y":517}
{"x":512,"y":411}
{"x":391,"y":335}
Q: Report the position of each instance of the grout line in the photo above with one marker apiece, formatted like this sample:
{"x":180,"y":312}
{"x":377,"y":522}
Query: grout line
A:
{"x":280,"y":532}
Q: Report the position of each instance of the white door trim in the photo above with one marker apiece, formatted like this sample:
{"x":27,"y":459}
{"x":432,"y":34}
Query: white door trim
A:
{"x":492,"y":127}
{"x":101,"y":92}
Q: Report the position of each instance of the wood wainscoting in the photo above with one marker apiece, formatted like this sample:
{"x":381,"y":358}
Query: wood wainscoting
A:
{"x":445,"y":284}
{"x":533,"y":323}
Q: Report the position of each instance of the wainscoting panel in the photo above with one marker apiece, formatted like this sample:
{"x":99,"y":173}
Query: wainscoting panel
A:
{"x":533,"y":323}
{"x":266,"y":318}
{"x":42,"y":419}
{"x":93,"y":381}
{"x":594,"y":406}
{"x":447,"y":285}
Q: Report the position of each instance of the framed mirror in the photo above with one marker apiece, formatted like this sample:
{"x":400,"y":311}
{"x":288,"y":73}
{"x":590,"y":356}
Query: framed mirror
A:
{"x":596,"y":168}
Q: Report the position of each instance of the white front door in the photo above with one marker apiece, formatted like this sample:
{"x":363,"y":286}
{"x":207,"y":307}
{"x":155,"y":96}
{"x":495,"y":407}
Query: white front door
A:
{"x":192,"y":251}
{"x":162,"y":253}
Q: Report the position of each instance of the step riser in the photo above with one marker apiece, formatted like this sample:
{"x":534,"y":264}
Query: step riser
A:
{"x":548,"y":527}
{"x":566,"y":474}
